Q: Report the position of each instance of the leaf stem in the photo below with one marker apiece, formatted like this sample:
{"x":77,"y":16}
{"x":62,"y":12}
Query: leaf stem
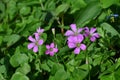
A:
{"x":42,"y":5}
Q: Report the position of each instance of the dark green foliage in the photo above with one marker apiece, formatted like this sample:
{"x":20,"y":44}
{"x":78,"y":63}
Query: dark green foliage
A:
{"x":20,"y":19}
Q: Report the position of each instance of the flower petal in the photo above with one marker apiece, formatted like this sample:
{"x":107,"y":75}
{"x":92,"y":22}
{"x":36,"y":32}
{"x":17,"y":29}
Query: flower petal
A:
{"x":42,"y":30}
{"x":52,"y":45}
{"x":86,"y":29}
{"x":75,"y":39}
{"x":96,"y":35}
{"x":40,"y":42}
{"x":92,"y":38}
{"x":47,"y":46}
{"x":77,"y":50}
{"x":47,"y":52}
{"x":55,"y":50}
{"x":71,"y":45}
{"x":79,"y":30}
{"x":73,"y":27}
{"x":69,"y":33}
{"x":80,"y":38}
{"x":31,"y":45}
{"x":31,"y":39}
{"x":39,"y":30}
{"x":86,"y":34}
{"x":35,"y":48}
{"x":71,"y":38}
{"x":52,"y":53}
{"x":92,"y":30}
{"x":83,"y":46}
{"x":37,"y":36}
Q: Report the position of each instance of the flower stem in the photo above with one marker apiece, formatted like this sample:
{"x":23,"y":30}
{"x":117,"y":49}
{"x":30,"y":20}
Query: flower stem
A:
{"x":62,"y":30}
{"x":87,"y":62}
{"x":57,"y":58}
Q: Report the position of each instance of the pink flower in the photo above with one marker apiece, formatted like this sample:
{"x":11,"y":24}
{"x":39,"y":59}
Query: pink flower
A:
{"x":74,"y":31}
{"x":39,"y":31}
{"x":34,"y":43}
{"x":75,"y":42}
{"x":51,"y":49}
{"x":91,"y":33}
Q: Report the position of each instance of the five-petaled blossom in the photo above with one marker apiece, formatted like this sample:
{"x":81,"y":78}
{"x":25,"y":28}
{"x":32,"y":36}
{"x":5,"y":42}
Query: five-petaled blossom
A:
{"x":91,"y":33}
{"x":75,"y":42}
{"x":74,"y":31}
{"x":51,"y":49}
{"x":34,"y":43}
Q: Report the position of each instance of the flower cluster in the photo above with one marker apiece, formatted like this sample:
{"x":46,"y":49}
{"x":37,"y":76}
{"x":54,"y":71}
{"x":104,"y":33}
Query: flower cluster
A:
{"x":38,"y":41}
{"x":75,"y":37}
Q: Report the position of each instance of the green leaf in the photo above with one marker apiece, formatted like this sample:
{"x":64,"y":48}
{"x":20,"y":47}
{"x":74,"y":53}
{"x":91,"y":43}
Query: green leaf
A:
{"x":117,"y":74}
{"x":112,"y":73}
{"x":63,"y":50}
{"x":19,"y":76}
{"x":109,"y":29}
{"x":118,"y":63}
{"x":2,"y":9}
{"x":50,"y":5}
{"x":76,"y":5}
{"x":59,"y":40}
{"x":12,"y":39}
{"x":47,"y":27}
{"x":17,"y":51}
{"x":56,"y":67}
{"x":106,"y":4}
{"x":45,"y":67}
{"x":1,"y":77}
{"x":25,"y":10}
{"x":85,"y":67}
{"x":51,"y":78}
{"x":44,"y":36}
{"x":2,"y":6}
{"x":61,"y":9}
{"x":1,"y":39}
{"x":97,"y":60}
{"x":11,"y":9}
{"x":25,"y":68}
{"x":50,"y":63}
{"x":70,"y":65}
{"x":37,"y":65}
{"x":18,"y":59}
{"x":42,"y":49}
{"x":102,"y":17}
{"x":61,"y":75}
{"x":79,"y":74}
{"x":89,"y":13}
{"x":108,"y":77}
{"x":3,"y":69}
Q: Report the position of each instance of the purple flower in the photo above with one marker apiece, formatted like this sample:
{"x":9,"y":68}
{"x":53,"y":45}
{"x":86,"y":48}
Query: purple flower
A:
{"x":34,"y":43}
{"x":75,"y":42}
{"x":74,"y":31}
{"x":91,"y":33}
{"x":51,"y":49}
{"x":39,"y":31}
